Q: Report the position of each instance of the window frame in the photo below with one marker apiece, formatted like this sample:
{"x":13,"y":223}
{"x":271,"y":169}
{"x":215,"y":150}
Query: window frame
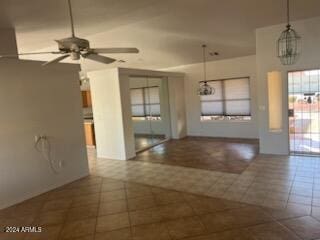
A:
{"x":223,"y":100}
{"x":145,"y":116}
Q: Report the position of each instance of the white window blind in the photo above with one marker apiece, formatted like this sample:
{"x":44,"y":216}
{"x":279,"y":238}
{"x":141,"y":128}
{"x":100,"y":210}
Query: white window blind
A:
{"x":145,"y":102}
{"x":213,"y":104}
{"x":137,"y":102}
{"x":237,"y":97}
{"x":231,"y":98}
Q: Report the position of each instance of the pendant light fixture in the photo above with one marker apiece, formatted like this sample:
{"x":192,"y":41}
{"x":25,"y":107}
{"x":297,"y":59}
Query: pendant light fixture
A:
{"x":288,"y":43}
{"x":205,"y":89}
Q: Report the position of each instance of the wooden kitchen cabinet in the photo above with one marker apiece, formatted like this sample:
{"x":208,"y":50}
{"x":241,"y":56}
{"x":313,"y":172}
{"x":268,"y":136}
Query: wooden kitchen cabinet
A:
{"x":86,"y":99}
{"x":89,"y":133}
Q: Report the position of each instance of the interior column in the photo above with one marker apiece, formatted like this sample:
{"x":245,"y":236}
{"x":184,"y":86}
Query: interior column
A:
{"x":112,"y":114}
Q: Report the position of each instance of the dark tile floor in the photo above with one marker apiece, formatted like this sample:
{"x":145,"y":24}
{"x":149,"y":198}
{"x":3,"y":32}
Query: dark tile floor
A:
{"x":225,"y":155}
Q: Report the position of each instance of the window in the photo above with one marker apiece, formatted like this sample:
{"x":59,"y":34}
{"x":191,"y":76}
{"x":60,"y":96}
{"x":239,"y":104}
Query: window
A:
{"x":145,"y":103}
{"x":231,"y":100}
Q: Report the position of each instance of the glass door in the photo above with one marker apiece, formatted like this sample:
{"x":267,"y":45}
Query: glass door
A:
{"x":304,"y":114}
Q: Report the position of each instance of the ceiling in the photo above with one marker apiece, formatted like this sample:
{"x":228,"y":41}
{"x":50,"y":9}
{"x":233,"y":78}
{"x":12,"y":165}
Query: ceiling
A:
{"x":167,"y":32}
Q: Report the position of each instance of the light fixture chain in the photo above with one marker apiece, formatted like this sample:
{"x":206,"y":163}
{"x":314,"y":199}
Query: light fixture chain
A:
{"x":288,"y":12}
{"x":205,"y":89}
{"x":204,"y":63}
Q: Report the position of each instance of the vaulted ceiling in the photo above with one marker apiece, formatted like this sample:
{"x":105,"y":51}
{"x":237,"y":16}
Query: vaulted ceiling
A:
{"x":168,"y":32}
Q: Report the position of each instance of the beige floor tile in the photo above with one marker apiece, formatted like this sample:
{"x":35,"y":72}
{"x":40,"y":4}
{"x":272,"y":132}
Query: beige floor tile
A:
{"x":306,"y":227}
{"x":275,"y":204}
{"x":24,"y":220}
{"x":145,"y":216}
{"x":113,"y":195}
{"x":78,"y":228}
{"x":50,"y":218}
{"x":203,"y":205}
{"x":62,"y":193}
{"x":87,"y":181}
{"x":83,"y":212}
{"x":236,"y":234}
{"x":88,"y":237}
{"x":110,"y":186}
{"x":122,"y":234}
{"x":226,"y":220}
{"x":47,"y":232}
{"x":157,"y":190}
{"x":177,"y":210}
{"x":300,"y":199}
{"x":279,"y":196}
{"x":86,"y":200}
{"x":141,"y":203}
{"x":112,"y":222}
{"x":233,"y":196}
{"x":150,"y":231}
{"x":112,"y":207}
{"x":253,"y":200}
{"x":185,"y":227}
{"x":8,"y":212}
{"x":169,"y":197}
{"x":59,"y":204}
{"x":12,"y":236}
{"x":292,"y":210}
{"x":301,"y":191}
{"x":27,"y":208}
{"x":91,"y":189}
{"x":138,"y":191}
{"x":271,"y":231}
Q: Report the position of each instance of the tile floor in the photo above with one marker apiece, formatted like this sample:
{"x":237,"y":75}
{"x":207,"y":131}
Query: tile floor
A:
{"x":275,"y":198}
{"x":143,"y":141}
{"x":225,"y":155}
{"x":99,"y":208}
{"x":269,"y":181}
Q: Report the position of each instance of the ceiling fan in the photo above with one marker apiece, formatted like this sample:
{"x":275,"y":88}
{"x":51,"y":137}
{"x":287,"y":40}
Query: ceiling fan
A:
{"x":75,"y":48}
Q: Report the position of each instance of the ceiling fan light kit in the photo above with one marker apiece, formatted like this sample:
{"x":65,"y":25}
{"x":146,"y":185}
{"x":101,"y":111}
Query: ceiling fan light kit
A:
{"x":75,"y":48}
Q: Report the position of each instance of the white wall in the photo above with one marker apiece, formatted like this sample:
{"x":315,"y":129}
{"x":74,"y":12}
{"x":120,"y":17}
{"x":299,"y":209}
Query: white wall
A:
{"x":110,"y":104}
{"x":309,"y":30}
{"x":237,"y":67}
{"x":39,"y":100}
{"x":177,"y":105}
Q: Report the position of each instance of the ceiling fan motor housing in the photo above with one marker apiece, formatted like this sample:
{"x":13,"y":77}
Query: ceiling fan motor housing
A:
{"x":73,"y":44}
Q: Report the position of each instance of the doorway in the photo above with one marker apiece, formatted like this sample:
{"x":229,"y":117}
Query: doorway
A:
{"x":304,"y":111}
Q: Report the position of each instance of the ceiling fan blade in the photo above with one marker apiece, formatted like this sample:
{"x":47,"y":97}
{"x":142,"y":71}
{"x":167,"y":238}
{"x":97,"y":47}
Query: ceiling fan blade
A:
{"x":58,"y":59}
{"x":24,"y":54}
{"x":98,"y":58}
{"x":115,"y":50}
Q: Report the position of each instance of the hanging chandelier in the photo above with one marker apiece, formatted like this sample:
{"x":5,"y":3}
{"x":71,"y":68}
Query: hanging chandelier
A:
{"x":205,"y":89}
{"x":288,"y":43}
